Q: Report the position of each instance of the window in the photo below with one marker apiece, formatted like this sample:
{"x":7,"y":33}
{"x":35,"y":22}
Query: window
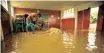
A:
{"x":69,"y":13}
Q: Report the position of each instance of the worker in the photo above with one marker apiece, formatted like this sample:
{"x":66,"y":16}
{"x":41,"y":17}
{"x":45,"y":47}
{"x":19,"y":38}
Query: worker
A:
{"x":31,"y":21}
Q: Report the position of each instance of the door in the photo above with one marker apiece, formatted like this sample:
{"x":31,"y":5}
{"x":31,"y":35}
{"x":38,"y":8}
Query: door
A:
{"x":100,"y":23}
{"x":83,"y":19}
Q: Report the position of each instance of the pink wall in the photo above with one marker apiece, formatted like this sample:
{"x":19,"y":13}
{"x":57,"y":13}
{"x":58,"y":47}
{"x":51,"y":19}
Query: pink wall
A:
{"x":55,"y":13}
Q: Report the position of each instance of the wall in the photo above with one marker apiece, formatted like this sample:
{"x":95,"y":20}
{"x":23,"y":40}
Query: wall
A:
{"x":6,"y":30}
{"x":100,"y":21}
{"x":50,"y":13}
{"x":80,"y":7}
{"x":11,"y":14}
{"x":68,"y":24}
{"x":1,"y":32}
{"x":85,"y":6}
{"x":4,"y":4}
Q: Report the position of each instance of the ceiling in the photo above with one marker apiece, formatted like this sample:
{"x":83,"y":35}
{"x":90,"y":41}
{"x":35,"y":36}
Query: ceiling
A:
{"x":50,"y":5}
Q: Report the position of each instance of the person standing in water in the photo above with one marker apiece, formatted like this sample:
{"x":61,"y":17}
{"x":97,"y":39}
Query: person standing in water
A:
{"x":31,"y":21}
{"x":39,"y":14}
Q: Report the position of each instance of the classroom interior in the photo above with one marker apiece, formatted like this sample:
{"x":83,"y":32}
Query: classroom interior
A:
{"x":61,"y":27}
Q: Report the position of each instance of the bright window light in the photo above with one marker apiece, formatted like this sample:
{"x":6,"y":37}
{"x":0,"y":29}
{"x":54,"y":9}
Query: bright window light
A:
{"x":69,"y":13}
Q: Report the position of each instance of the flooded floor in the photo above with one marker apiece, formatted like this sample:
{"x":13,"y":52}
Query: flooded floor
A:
{"x":58,"y":42}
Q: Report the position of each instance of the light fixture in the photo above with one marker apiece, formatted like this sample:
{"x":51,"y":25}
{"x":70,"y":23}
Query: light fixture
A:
{"x":52,"y":16}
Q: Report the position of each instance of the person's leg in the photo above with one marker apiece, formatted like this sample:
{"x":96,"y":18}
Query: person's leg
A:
{"x":32,"y":28}
{"x":26,"y":29}
{"x":27,"y":26}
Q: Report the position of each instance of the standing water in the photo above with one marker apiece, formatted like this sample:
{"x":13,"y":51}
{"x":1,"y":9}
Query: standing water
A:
{"x":56,"y":41}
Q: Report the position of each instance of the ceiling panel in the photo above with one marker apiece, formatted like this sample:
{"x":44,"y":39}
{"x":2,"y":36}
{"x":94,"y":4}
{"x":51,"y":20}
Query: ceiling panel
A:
{"x":50,"y":5}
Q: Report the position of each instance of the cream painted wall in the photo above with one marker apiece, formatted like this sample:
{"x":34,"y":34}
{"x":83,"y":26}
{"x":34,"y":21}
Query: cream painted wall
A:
{"x":11,"y":12}
{"x":82,"y":7}
{"x":1,"y":32}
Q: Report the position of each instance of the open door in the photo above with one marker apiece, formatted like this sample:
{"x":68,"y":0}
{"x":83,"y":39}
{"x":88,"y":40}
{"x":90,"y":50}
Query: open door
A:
{"x":45,"y":19}
{"x":93,"y":19}
{"x":83,"y":19}
{"x":100,"y":24}
{"x":86,"y":19}
{"x":80,"y":20}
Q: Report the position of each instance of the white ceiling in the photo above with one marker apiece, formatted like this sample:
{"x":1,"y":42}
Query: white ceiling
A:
{"x":50,"y":5}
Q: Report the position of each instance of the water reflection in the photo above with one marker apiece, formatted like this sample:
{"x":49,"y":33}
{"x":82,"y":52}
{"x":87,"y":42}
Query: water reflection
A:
{"x":55,"y":42}
{"x":91,"y":42}
{"x":68,"y":41}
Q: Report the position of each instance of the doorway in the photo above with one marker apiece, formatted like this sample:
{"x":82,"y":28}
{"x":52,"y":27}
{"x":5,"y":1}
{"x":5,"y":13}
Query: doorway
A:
{"x":44,"y":17}
{"x":93,"y":19}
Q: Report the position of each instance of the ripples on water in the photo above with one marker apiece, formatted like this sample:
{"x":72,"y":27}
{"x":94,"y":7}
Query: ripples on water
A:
{"x":66,"y":42}
{"x":91,"y":42}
